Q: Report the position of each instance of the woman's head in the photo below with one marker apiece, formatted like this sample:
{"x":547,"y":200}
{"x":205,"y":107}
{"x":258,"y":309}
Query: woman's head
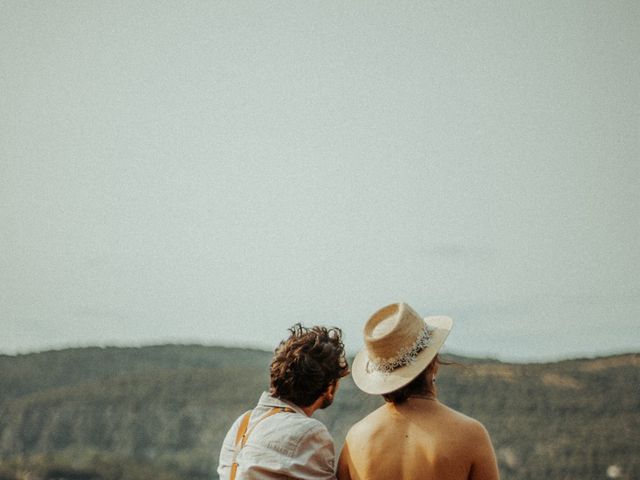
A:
{"x":399,"y":345}
{"x":423,"y":385}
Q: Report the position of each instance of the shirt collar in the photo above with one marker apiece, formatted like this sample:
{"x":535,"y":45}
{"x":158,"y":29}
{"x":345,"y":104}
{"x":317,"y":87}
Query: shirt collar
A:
{"x":269,"y":401}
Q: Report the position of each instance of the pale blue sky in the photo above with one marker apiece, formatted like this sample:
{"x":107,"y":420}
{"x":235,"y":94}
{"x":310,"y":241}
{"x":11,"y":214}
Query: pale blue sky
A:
{"x":213,"y":172}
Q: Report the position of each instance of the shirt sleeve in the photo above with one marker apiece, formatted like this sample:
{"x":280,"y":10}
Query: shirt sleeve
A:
{"x":315,"y":455}
{"x":226,"y":452}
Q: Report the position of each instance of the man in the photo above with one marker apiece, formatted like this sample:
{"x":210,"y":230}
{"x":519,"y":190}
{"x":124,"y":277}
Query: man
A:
{"x":278,"y":438}
{"x":413,"y":435}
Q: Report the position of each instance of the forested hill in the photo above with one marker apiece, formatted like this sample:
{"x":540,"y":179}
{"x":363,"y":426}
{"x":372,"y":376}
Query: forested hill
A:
{"x":161,"y":412}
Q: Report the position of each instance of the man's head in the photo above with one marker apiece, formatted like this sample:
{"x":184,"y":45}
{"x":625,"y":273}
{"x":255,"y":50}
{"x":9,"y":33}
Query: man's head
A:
{"x":308,"y":364}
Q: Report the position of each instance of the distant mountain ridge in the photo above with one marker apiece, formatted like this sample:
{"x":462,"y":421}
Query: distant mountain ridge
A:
{"x":162,"y":411}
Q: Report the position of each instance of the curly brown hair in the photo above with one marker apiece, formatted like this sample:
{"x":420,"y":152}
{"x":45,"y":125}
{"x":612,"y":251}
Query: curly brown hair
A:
{"x":306,"y":363}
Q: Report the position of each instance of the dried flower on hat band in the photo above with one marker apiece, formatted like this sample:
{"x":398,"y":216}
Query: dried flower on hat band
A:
{"x":405,"y":355}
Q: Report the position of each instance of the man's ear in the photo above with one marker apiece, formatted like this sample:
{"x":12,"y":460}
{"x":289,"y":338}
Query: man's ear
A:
{"x":331,"y":389}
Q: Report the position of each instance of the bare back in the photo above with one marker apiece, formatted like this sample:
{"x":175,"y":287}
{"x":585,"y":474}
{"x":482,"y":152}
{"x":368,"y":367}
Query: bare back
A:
{"x":420,"y":438}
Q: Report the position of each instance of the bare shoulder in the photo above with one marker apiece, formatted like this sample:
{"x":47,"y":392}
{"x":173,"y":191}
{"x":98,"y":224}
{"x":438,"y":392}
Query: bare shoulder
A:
{"x":367,"y":424}
{"x":477,"y":444}
{"x":470,"y":426}
{"x":459,"y":416}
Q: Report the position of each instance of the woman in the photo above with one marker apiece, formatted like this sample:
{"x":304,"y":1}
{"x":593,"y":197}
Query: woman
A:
{"x":413,"y":435}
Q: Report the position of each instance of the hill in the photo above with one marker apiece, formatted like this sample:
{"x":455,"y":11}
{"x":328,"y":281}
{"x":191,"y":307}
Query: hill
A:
{"x":161,"y":412}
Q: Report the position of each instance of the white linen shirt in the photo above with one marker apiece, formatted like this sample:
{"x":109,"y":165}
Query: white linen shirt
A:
{"x":284,"y":445}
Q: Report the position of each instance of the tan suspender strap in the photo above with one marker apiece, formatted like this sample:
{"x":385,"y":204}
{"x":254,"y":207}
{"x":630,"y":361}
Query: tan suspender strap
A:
{"x":241,"y":431}
{"x":243,"y":426}
{"x":243,"y":435}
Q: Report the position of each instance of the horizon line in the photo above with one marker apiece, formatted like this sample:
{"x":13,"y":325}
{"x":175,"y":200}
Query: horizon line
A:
{"x":255,"y":347}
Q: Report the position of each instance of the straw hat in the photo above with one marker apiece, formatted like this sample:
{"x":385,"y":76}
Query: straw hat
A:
{"x":399,"y":345}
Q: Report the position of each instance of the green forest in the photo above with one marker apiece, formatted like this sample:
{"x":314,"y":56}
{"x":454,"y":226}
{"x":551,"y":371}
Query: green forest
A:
{"x":161,"y":412}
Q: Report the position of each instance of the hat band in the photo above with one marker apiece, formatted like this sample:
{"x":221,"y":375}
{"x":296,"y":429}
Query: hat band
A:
{"x":405,"y":356}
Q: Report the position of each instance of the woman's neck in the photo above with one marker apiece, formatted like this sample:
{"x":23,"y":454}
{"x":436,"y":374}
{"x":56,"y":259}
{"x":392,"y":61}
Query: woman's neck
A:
{"x":424,"y":396}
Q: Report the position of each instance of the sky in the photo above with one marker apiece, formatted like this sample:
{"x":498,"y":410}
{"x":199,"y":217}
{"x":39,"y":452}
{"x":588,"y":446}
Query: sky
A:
{"x":214,"y":172}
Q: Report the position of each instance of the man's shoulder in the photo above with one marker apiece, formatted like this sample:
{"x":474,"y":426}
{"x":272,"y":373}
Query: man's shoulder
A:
{"x":293,"y":426}
{"x":301,"y":425}
{"x":287,"y":432}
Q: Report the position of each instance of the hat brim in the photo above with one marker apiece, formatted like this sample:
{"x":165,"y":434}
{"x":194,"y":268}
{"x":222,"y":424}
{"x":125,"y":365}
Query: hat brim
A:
{"x":376,"y":382}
